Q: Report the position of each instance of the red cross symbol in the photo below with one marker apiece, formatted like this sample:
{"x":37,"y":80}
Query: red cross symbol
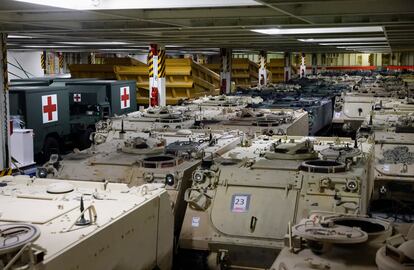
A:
{"x":49,"y":108}
{"x":77,"y":97}
{"x":125,"y":97}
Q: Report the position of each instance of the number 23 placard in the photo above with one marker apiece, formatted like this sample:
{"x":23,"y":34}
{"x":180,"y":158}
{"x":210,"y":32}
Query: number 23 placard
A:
{"x":240,"y":203}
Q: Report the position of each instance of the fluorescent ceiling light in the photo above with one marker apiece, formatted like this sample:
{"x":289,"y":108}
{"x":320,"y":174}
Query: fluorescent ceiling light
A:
{"x":325,"y":30}
{"x":46,"y":46}
{"x":362,"y":47}
{"x":121,"y":49}
{"x":343,"y":39}
{"x":173,"y":46}
{"x":139,"y":4}
{"x":356,"y":43}
{"x":95,"y":43}
{"x":18,"y":36}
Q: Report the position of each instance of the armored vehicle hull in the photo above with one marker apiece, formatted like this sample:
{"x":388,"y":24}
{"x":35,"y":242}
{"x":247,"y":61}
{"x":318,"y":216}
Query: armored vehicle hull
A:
{"x":136,"y":158}
{"x":266,"y":121}
{"x":307,"y":247}
{"x":244,"y":201}
{"x":84,"y":225}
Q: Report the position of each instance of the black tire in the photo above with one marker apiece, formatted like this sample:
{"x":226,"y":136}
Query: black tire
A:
{"x":50,"y":147}
{"x":85,"y":141}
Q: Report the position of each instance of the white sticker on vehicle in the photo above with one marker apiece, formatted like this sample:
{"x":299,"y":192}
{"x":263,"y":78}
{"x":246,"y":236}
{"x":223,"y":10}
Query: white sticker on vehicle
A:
{"x":125,"y":97}
{"x":77,"y":98}
{"x":195,"y":222}
{"x":49,"y":108}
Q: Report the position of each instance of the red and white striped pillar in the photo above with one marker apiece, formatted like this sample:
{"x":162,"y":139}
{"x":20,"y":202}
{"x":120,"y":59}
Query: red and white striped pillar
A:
{"x":225,"y":70}
{"x":288,"y":67}
{"x":262,"y":68}
{"x":302,"y":69}
{"x":157,"y":73}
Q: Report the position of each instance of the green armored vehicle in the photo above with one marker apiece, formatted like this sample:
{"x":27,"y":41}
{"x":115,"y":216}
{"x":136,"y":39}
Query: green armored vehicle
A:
{"x":120,"y":94}
{"x":46,"y":111}
{"x":66,"y":116}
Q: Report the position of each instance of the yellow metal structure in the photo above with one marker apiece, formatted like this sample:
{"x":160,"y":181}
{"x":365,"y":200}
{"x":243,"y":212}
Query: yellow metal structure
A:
{"x":245,"y":73}
{"x":276,"y":66}
{"x":184,"y":78}
{"x":122,"y":61}
{"x":98,"y":71}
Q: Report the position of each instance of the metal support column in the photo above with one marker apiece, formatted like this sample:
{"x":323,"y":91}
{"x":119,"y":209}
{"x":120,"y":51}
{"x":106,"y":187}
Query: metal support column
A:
{"x":91,"y":58}
{"x":225,"y":70}
{"x":314,"y":64}
{"x":323,"y":62}
{"x":43,"y":61}
{"x":161,"y":77}
{"x":157,"y":71}
{"x":302,"y":72}
{"x":4,"y":106}
{"x":288,"y":67}
{"x":61,"y":63}
{"x":263,"y":68}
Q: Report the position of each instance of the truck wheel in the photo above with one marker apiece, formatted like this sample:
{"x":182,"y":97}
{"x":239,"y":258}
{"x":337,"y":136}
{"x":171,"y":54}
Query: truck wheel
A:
{"x":50,"y":147}
{"x":85,"y":141}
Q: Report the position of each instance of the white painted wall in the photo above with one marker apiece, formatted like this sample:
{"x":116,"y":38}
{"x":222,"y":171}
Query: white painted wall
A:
{"x":30,"y":61}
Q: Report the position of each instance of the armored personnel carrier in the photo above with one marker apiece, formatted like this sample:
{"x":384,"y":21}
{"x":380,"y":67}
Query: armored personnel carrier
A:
{"x":319,"y":109}
{"x":351,"y":108}
{"x":394,"y":116}
{"x":136,"y":158}
{"x":315,"y":96}
{"x":379,"y":86}
{"x":265,"y":121}
{"x":393,"y":177}
{"x":243,"y":201}
{"x":350,"y":111}
{"x":151,"y":118}
{"x":50,"y":224}
{"x":397,"y":253}
{"x":334,"y":241}
{"x":393,"y":174}
{"x":213,"y":109}
{"x":227,"y":101}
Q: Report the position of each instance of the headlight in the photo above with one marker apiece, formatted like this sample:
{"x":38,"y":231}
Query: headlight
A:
{"x":41,"y":172}
{"x":198,"y":177}
{"x":352,"y":185}
{"x":169,"y":179}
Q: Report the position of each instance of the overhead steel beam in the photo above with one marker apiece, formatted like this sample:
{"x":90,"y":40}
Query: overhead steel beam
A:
{"x":284,"y":12}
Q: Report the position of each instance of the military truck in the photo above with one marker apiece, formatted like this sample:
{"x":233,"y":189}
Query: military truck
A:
{"x":29,"y":83}
{"x":45,"y":81}
{"x":66,"y":116}
{"x":119,"y":94}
